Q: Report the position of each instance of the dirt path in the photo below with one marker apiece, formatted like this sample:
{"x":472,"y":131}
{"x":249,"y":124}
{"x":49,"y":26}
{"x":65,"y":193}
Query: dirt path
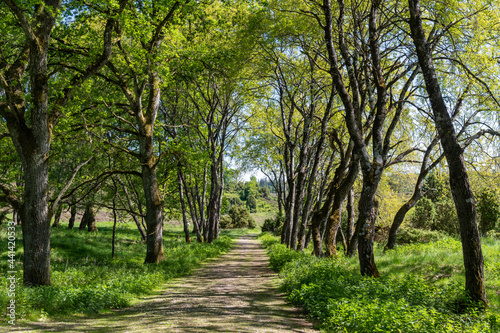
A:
{"x":236,"y":292}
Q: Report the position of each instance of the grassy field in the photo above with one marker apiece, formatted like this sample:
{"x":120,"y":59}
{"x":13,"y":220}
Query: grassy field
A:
{"x":86,"y":280}
{"x":421,"y":289}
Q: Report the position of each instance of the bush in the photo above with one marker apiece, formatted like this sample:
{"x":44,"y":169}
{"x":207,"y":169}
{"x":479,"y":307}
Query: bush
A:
{"x":274,"y":225}
{"x":279,"y":255}
{"x":236,"y":201}
{"x":488,"y":208}
{"x":226,"y":222}
{"x":446,"y":218}
{"x":267,"y":239}
{"x":341,"y":300}
{"x":241,"y":218}
{"x":423,"y":214}
{"x":252,"y":204}
{"x":412,"y":235}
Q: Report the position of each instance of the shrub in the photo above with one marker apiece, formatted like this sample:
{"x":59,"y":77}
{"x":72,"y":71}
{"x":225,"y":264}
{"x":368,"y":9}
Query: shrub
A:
{"x":423,"y":214}
{"x":446,"y":217}
{"x":274,"y":225}
{"x":267,"y":239}
{"x":226,"y":205}
{"x":252,"y":204}
{"x":240,"y":217}
{"x":236,"y":201}
{"x":226,"y":222}
{"x":412,"y":235}
{"x":488,"y":208}
{"x":279,"y":255}
{"x":341,"y":300}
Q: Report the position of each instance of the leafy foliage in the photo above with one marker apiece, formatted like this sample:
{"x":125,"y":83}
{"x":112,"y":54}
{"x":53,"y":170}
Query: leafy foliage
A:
{"x":274,"y":225}
{"x":424,"y":214}
{"x":341,"y":300}
{"x":238,"y":218}
{"x":413,"y":235}
{"x":489,"y":210}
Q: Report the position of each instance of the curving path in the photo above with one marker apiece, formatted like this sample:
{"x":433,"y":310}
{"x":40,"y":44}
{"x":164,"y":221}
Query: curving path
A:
{"x":236,"y":292}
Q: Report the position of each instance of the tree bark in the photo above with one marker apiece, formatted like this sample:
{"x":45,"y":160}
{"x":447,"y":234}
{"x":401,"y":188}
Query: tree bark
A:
{"x":84,"y":220}
{"x":91,"y":225}
{"x":113,"y":239}
{"x":459,"y":180}
{"x":72,"y":218}
{"x":154,"y":214}
{"x":88,"y":219}
{"x":398,"y":220}
{"x":57,"y":216}
{"x":368,"y":211}
{"x":350,"y":217}
{"x":332,"y":226}
{"x":183,"y":207}
{"x":192,"y":209}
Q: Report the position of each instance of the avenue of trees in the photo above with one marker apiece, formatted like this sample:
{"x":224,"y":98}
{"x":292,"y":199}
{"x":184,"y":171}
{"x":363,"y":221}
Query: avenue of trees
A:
{"x":142,"y":107}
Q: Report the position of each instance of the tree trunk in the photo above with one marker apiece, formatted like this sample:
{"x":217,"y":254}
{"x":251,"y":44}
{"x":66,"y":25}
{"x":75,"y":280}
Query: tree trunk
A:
{"x":368,"y":211}
{"x":91,"y":225}
{"x":289,"y":213}
{"x":350,"y":217}
{"x":34,"y":214}
{"x":57,"y":216}
{"x":154,"y":216}
{"x":84,"y":220}
{"x":113,"y":239}
{"x":316,"y":219}
{"x":72,"y":218}
{"x":398,"y":220}
{"x":88,"y":219}
{"x":459,"y":180}
{"x":332,"y":227}
{"x":15,"y":218}
{"x":213,"y":203}
{"x":184,"y":209}
{"x":192,"y":209}
{"x":352,"y":247}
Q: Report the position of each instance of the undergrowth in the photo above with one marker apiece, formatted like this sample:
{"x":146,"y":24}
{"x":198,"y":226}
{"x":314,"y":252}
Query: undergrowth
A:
{"x":86,"y":280}
{"x":412,"y":297}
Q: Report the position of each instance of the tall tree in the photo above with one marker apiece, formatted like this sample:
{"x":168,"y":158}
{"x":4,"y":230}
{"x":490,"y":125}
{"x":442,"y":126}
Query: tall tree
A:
{"x":459,"y":180}
{"x":136,"y":71}
{"x":30,"y":122}
{"x":369,"y":84}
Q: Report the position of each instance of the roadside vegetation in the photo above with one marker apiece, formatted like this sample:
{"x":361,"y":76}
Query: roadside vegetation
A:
{"x":420,"y":289}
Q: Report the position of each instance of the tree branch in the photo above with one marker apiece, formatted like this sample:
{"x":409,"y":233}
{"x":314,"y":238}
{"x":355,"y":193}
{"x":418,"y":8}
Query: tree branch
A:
{"x":65,"y":188}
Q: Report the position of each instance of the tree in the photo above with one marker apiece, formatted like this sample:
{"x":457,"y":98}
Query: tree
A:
{"x":135,"y":72}
{"x":459,"y":180}
{"x":30,"y":122}
{"x":368,"y":87}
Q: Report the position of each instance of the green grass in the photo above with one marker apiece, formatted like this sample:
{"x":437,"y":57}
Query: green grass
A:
{"x":86,"y":280}
{"x":421,"y":289}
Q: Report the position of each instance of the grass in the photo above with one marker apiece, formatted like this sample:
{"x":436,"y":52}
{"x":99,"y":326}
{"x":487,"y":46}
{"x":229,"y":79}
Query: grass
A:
{"x":86,"y":280}
{"x":421,"y":289}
